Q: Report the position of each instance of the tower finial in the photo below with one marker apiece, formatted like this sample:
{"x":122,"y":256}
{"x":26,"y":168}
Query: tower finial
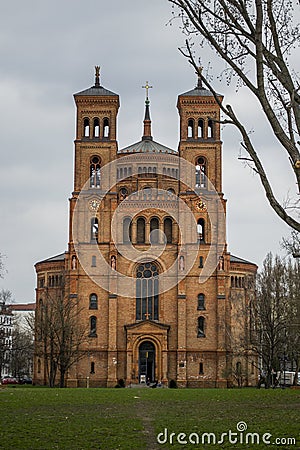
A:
{"x":147,"y":87}
{"x":97,"y":76}
{"x":199,"y":73}
{"x":147,"y":120}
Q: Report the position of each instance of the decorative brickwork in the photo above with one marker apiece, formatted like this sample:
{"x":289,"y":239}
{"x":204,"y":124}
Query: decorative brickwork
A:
{"x":156,"y":334}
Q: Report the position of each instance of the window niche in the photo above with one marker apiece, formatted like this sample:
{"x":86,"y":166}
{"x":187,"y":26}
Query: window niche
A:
{"x":210,"y":129}
{"x":201,"y":327}
{"x":200,"y":129}
{"x":141,"y":226}
{"x":201,"y":370}
{"x":95,"y":172}
{"x":201,"y":172}
{"x":201,"y":302}
{"x":127,"y":230}
{"x":154,"y":233}
{"x":106,"y":128}
{"x":191,"y":129}
{"x":93,"y":326}
{"x":86,"y":128}
{"x":93,"y":301}
{"x":147,"y":290}
{"x":168,"y":230}
{"x":96,"y":128}
{"x":201,"y":230}
{"x":94,"y":229}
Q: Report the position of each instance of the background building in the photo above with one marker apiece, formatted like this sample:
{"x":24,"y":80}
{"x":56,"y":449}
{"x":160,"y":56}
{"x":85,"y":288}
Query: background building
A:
{"x":196,"y":333}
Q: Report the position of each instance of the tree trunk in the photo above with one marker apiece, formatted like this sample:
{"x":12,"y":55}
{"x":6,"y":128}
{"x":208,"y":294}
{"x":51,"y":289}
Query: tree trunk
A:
{"x":62,"y":378}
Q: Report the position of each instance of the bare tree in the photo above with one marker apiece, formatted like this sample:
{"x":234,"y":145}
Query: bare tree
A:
{"x":59,"y":332}
{"x":6,"y":320}
{"x":293,"y":325}
{"x":276,"y":314}
{"x":21,"y":352}
{"x":292,"y":244}
{"x":6,"y":297}
{"x":255,"y":39}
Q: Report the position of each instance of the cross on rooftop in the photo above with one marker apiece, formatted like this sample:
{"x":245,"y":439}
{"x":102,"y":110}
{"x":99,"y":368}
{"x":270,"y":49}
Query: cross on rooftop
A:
{"x":147,"y":87}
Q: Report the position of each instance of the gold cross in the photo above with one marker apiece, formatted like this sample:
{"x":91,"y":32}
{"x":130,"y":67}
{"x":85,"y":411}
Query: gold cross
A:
{"x":147,"y":87}
{"x":147,"y":315}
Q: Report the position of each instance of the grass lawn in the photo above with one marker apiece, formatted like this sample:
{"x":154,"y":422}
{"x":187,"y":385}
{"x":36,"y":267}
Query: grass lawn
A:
{"x":130,"y":419}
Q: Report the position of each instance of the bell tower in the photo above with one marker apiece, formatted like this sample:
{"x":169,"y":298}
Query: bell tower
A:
{"x":96,"y":125}
{"x":200,"y":142}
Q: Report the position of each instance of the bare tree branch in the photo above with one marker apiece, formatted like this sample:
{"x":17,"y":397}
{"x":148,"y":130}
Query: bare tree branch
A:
{"x":255,"y":39}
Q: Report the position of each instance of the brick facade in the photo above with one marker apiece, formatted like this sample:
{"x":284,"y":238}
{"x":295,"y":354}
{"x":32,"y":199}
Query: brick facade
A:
{"x":195,"y":331}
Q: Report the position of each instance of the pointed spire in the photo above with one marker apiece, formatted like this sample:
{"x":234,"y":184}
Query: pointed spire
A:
{"x":198,"y":73}
{"x":97,"y":76}
{"x":147,"y":120}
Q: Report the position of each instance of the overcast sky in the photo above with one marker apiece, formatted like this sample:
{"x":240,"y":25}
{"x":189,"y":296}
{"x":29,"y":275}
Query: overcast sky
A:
{"x":48,"y":50}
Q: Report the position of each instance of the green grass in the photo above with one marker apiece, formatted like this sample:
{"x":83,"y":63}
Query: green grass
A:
{"x":130,"y":419}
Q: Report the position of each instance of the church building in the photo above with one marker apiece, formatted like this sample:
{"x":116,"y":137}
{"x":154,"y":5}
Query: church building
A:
{"x":158,"y":293}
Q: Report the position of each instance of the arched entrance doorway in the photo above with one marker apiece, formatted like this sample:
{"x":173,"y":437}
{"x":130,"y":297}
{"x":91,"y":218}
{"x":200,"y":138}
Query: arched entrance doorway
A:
{"x":146,"y":361}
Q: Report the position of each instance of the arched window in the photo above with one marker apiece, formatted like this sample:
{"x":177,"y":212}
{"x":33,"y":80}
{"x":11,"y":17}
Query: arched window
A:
{"x":154,"y":227}
{"x":201,"y":172}
{"x":201,"y":327}
{"x":92,"y":367}
{"x":200,"y":262}
{"x":168,"y":225}
{"x":191,"y":128}
{"x":201,"y":302}
{"x":96,"y":131}
{"x":93,"y":326}
{"x":201,"y":371}
{"x":39,"y":366}
{"x":93,"y":301}
{"x":147,"y":291}
{"x":200,"y":128}
{"x":86,"y":128}
{"x":127,"y":227}
{"x":94,"y":229}
{"x":106,"y":128}
{"x":201,"y":230}
{"x":210,"y":129}
{"x":140,"y":235}
{"x":95,"y":172}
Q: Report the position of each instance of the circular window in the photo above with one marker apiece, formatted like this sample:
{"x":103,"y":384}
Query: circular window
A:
{"x":147,"y":270}
{"x":201,"y":161}
{"x":123,"y":192}
{"x":95,"y":159}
